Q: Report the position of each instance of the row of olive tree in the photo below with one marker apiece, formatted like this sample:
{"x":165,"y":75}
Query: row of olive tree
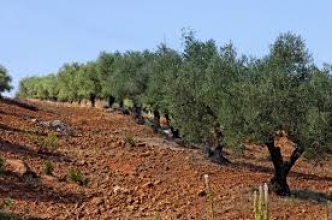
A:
{"x":212,"y":95}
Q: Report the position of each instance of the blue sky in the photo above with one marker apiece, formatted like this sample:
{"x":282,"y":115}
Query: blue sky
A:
{"x":38,"y":36}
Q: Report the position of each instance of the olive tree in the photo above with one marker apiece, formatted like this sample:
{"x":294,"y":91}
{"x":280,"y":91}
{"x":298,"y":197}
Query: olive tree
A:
{"x":105,"y":70}
{"x":89,"y":83}
{"x":165,"y":66}
{"x":193,"y":115}
{"x":68,"y":82}
{"x":5,"y":80}
{"x":277,"y":94}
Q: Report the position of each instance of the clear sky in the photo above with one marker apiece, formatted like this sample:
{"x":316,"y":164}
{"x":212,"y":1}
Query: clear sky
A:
{"x":38,"y":36}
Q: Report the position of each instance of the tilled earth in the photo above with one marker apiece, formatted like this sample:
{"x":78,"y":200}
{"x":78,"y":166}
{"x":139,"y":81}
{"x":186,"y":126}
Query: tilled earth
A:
{"x":152,"y":179}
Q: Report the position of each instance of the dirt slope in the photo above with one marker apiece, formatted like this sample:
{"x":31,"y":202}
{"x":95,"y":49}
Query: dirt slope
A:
{"x":153,"y":178}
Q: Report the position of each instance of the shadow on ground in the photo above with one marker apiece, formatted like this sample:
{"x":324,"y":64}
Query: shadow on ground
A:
{"x":4,"y":216}
{"x":16,"y":149}
{"x":20,"y":103}
{"x":12,"y":129}
{"x":263,"y":169}
{"x":311,"y":196}
{"x":33,"y":190}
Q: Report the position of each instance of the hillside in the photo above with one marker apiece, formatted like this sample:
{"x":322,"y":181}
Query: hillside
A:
{"x":153,"y":177}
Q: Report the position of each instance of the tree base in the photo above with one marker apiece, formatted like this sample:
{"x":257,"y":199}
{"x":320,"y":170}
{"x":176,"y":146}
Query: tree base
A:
{"x":215,"y":155}
{"x":281,"y":189}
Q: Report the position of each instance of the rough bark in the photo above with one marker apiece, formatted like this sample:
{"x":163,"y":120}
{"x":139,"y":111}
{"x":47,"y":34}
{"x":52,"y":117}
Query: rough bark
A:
{"x":93,"y":100}
{"x":281,"y":168}
{"x":137,"y":114}
{"x":175,"y":132}
{"x":156,"y":121}
{"x":168,"y":120}
{"x":111,"y":100}
{"x":216,"y":145}
{"x":121,"y":104}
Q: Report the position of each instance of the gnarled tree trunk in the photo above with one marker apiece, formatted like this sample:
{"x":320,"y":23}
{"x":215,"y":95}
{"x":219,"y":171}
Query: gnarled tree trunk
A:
{"x":121,"y":104}
{"x":281,"y":168}
{"x":137,"y":114}
{"x":168,"y":120}
{"x":156,"y":121}
{"x":93,"y":100}
{"x":175,"y":132}
{"x":216,"y":145}
{"x":111,"y":100}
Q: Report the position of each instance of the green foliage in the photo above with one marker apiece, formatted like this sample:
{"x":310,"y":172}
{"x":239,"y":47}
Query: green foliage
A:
{"x":127,"y":103}
{"x":204,"y":84}
{"x":8,"y":203}
{"x":2,"y":165}
{"x":8,"y":217}
{"x":105,"y":66}
{"x":130,"y":140}
{"x":68,"y":82}
{"x":165,"y":68}
{"x":189,"y":107}
{"x":77,"y":176}
{"x":5,"y":80}
{"x":50,"y":143}
{"x":48,"y":167}
{"x":88,"y":80}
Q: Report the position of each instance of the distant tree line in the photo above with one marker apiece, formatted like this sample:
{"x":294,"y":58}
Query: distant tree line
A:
{"x":211,"y":95}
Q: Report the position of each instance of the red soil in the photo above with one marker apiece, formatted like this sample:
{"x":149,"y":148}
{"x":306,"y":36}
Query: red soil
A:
{"x":155,"y":177}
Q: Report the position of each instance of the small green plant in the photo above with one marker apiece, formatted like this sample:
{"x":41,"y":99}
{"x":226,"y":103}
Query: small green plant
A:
{"x":157,"y":216}
{"x":48,"y":167}
{"x":2,"y":165}
{"x":8,"y":203}
{"x":50,"y":143}
{"x":32,"y":139}
{"x":77,"y":176}
{"x":209,"y":194}
{"x":8,"y":217}
{"x":239,"y":150}
{"x":130,"y":140}
{"x":261,"y":205}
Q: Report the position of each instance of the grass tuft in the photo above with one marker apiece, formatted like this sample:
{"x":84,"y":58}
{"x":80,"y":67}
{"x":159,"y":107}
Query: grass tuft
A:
{"x":130,"y":140}
{"x":75,"y":175}
{"x":48,"y":167}
{"x":50,"y":143}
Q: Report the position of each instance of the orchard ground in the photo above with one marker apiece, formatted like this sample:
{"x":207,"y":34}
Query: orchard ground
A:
{"x":153,"y":178}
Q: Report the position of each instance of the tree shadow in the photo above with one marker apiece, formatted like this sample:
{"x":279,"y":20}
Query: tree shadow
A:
{"x":257,"y":168}
{"x":312,"y":196}
{"x":33,"y":190}
{"x":251,"y":167}
{"x":12,"y":129}
{"x":18,"y":115}
{"x":20,"y":103}
{"x":6,"y":216}
{"x":26,"y":152}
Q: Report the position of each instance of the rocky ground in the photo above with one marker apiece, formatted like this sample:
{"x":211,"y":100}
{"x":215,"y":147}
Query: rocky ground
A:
{"x":120,"y":170}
